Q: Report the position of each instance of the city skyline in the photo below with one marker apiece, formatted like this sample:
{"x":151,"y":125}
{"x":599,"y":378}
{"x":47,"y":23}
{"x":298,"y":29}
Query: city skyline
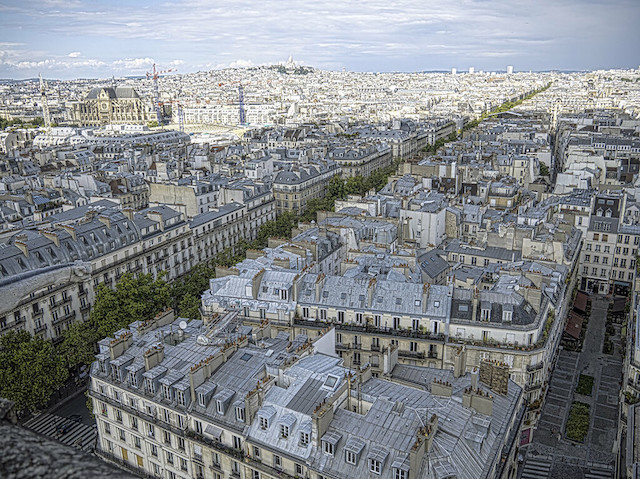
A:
{"x":83,"y":39}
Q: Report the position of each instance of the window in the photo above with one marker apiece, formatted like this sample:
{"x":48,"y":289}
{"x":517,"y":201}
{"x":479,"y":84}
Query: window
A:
{"x":359,"y":318}
{"x":169,"y":456}
{"x":137,"y":443}
{"x":134,"y":422}
{"x":350,"y":457}
{"x":118,"y":415}
{"x":201,"y":400}
{"x":375,"y":466}
{"x":167,"y":437}
{"x":327,"y":448}
{"x":304,"y":439}
{"x":284,"y":431}
{"x":198,"y":427}
{"x":305,"y":312}
{"x":180,"y":398}
{"x":399,"y":474}
{"x":166,"y":392}
{"x":256,"y":452}
{"x":376,"y":320}
{"x":323,"y":314}
{"x":240,"y":413}
{"x":264,"y":423}
{"x":237,"y":442}
{"x":154,"y":450}
{"x":341,"y":316}
{"x":123,"y":437}
{"x":277,"y":461}
{"x":151,"y":430}
{"x":167,"y":415}
{"x":183,"y":464}
{"x":107,"y":428}
{"x":299,"y":469}
{"x":181,"y":421}
{"x":181,"y":443}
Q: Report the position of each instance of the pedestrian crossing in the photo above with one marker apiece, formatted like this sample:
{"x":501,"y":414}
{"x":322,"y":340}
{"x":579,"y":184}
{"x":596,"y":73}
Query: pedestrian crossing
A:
{"x":78,"y":435}
{"x":536,"y":468}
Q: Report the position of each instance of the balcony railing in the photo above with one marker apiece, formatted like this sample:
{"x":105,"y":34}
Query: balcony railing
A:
{"x":138,"y":471}
{"x":535,"y":367}
{"x":375,"y":347}
{"x":404,"y":333}
{"x":411,"y":354}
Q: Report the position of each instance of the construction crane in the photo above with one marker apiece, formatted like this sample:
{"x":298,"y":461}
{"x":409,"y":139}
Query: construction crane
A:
{"x":45,"y":105}
{"x":241,"y":110}
{"x":155,"y":74}
{"x":241,"y":104}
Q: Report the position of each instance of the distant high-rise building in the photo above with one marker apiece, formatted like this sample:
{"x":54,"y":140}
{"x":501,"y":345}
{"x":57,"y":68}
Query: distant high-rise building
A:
{"x":509,"y":69}
{"x":472,"y":70}
{"x":454,"y":71}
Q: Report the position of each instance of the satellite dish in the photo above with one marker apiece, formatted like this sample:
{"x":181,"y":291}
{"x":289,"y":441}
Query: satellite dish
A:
{"x":183,"y":325}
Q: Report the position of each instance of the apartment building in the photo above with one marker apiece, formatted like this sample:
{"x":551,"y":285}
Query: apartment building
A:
{"x":361,"y":159}
{"x":111,"y":243}
{"x":608,"y":262}
{"x":297,"y":184}
{"x":222,"y":400}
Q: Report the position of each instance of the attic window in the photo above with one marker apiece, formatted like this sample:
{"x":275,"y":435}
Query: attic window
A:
{"x":398,"y":300}
{"x":436,"y":304}
{"x":343,"y":295}
{"x":264,"y":423}
{"x":246,"y":357}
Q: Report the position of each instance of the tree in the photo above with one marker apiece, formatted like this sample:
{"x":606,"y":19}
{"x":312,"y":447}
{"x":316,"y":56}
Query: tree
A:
{"x":133,"y":299}
{"x":78,"y":344}
{"x":544,"y":170}
{"x":30,"y":371}
{"x":335,"y":188}
{"x":189,"y":306}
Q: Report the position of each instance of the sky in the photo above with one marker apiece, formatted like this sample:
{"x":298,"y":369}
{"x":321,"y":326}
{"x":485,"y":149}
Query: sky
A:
{"x":68,"y":39}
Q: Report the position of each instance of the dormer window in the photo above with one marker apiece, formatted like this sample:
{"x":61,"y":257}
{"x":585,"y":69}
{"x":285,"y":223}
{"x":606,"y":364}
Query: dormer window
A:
{"x":304,"y":439}
{"x":201,"y":400}
{"x":284,"y":431}
{"x":133,"y":380}
{"x":115,"y":373}
{"x":149,"y":386}
{"x":166,"y":392}
{"x":180,"y":398}
{"x":219,"y":407}
{"x":264,"y":423}
{"x":240,"y":414}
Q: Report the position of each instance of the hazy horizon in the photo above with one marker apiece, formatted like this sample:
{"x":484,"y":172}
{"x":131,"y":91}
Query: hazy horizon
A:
{"x":68,"y":39}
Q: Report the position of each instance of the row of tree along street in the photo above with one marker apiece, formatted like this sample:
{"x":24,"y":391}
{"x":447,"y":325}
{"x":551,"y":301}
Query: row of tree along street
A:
{"x":31,"y":369}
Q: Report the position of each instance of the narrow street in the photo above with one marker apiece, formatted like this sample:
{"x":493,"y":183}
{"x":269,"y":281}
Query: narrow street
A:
{"x":552,"y":454}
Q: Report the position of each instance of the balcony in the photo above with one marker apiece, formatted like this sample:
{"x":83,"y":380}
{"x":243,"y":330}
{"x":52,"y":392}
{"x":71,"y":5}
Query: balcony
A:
{"x":375,"y":347}
{"x":532,"y":387}
{"x":403,"y":333}
{"x":110,"y":457}
{"x":40,"y":328}
{"x":534,"y":367}
{"x":411,"y":354}
{"x":37,"y":314}
{"x":82,"y":292}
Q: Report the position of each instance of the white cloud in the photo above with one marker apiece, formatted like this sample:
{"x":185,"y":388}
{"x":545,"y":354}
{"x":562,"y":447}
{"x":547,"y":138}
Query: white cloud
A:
{"x":74,"y":54}
{"x":134,"y":63}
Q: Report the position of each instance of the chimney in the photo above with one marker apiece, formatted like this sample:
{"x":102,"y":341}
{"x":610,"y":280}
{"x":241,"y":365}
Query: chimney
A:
{"x":425,"y":295}
{"x":120,"y":345}
{"x":459,"y":362}
{"x":153,"y":357}
{"x":128,"y":212}
{"x":105,"y":220}
{"x":321,"y":419}
{"x":157,"y":217}
{"x":69,"y":229}
{"x":432,"y":429}
{"x":474,"y":378}
{"x":319,"y":285}
{"x":51,"y":235}
{"x":370,"y":290}
{"x":390,"y":358}
{"x":474,"y":305}
{"x":22,"y":246}
{"x":255,"y":283}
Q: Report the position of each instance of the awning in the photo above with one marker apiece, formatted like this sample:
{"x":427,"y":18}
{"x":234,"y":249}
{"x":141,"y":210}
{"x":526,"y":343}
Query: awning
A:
{"x":214,"y":432}
{"x":580,"y":302}
{"x":574,"y":325}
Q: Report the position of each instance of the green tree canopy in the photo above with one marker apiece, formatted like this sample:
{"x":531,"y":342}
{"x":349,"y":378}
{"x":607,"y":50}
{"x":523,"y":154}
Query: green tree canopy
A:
{"x":30,"y":370}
